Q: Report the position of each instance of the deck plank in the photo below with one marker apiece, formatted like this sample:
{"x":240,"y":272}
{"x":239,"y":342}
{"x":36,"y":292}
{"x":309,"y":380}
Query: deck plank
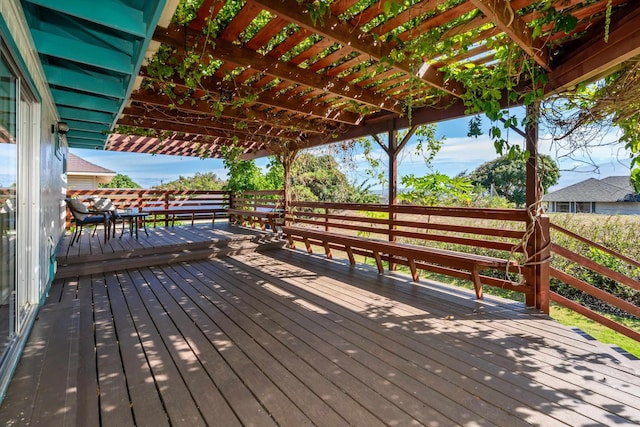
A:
{"x":145,"y":400}
{"x":178,"y":401}
{"x":88,"y":402}
{"x":500,"y":351}
{"x":115,"y":408}
{"x":459,"y":406}
{"x":211,"y":365}
{"x":301,"y":383}
{"x":44,"y":390}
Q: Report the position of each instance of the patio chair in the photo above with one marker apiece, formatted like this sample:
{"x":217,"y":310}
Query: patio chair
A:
{"x":105,"y":205}
{"x":82,"y":216}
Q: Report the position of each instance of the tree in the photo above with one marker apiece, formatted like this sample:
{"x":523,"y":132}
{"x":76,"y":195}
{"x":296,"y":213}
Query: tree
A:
{"x":244,"y":175}
{"x":436,"y":188}
{"x":318,"y":178}
{"x":274,"y":178}
{"x":507,"y":176}
{"x":200,"y":181}
{"x":120,"y":181}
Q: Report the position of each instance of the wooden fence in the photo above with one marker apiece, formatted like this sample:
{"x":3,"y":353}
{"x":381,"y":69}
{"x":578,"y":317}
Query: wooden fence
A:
{"x":596,"y":292}
{"x":494,"y":232}
{"x":148,"y":200}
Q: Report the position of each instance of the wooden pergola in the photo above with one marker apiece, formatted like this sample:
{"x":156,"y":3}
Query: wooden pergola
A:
{"x":293,"y":74}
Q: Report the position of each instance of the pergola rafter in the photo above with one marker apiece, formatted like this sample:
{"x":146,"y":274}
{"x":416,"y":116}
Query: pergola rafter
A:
{"x":319,"y":77}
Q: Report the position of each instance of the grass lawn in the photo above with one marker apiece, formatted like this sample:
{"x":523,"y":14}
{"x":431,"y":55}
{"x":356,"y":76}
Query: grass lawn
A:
{"x":601,"y":333}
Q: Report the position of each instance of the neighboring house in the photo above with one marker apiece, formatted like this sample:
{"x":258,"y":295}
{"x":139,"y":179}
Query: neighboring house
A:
{"x":611,"y":195}
{"x":84,"y":175}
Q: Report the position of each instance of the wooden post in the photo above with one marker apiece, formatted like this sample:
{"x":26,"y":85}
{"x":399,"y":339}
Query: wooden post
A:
{"x":287,"y":157}
{"x":326,"y":218}
{"x":537,"y":275}
{"x":392,"y":151}
{"x":544,"y":260}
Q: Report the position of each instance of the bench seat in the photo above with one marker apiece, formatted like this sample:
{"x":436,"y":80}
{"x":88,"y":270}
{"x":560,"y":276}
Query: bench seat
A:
{"x":458,"y":260}
{"x":171,"y":214}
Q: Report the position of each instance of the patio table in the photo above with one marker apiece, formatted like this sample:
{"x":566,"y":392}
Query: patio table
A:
{"x":133,"y":218}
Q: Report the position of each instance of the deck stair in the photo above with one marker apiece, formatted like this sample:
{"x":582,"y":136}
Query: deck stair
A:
{"x":139,"y":257}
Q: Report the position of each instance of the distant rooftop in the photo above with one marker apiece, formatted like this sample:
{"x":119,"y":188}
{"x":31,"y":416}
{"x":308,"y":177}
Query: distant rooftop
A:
{"x":79,"y":166}
{"x":610,"y":189}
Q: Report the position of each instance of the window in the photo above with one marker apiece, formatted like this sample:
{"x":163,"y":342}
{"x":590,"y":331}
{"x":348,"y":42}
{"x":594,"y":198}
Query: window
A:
{"x":583,"y":207}
{"x":563,"y":207}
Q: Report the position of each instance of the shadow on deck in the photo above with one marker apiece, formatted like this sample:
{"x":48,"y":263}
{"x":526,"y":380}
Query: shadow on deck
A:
{"x":284,"y":338}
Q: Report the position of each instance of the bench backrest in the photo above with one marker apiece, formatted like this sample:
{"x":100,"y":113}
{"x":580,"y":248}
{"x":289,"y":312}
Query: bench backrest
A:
{"x":261,"y":201}
{"x":494,"y":232}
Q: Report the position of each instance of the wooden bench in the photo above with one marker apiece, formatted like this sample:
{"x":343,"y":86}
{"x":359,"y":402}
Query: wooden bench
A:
{"x":193,"y":213}
{"x":379,"y":249}
{"x":242,"y":216}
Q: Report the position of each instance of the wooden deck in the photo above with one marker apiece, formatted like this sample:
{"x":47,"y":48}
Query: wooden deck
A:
{"x":159,"y":237}
{"x":284,"y":338}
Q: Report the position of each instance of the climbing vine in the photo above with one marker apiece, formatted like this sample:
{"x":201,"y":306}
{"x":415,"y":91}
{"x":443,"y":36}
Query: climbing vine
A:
{"x":508,"y":77}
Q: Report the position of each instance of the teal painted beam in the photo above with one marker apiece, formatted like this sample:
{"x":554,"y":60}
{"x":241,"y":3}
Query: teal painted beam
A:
{"x":100,"y":84}
{"x":87,"y":126}
{"x":85,"y":101}
{"x":71,"y":113}
{"x":111,"y":14}
{"x":84,"y":53}
{"x":85,"y":143}
{"x":153,"y":12}
{"x":93,"y":136}
{"x":95,"y":35}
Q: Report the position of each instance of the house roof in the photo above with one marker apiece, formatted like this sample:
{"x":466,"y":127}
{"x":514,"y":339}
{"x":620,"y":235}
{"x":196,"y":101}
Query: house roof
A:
{"x":91,"y":53}
{"x":610,"y":189}
{"x":79,"y":166}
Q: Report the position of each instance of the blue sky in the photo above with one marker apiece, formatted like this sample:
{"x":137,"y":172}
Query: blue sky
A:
{"x":459,"y":153}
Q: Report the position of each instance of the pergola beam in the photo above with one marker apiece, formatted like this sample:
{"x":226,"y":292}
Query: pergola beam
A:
{"x":214,"y":85}
{"x":506,"y":19}
{"x":202,"y":107}
{"x":204,"y":121}
{"x":602,"y":56}
{"x":191,"y":129}
{"x":348,"y":35}
{"x":177,"y":37}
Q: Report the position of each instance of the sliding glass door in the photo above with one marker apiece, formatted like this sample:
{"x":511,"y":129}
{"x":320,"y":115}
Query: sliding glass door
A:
{"x":8,"y":203}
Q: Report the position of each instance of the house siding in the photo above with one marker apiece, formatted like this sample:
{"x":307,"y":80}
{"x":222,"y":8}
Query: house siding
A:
{"x":41,"y":182}
{"x":82,"y":183}
{"x":624,"y":208}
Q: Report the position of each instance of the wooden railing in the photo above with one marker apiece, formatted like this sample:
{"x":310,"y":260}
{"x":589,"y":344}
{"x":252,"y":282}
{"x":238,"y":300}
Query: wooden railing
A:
{"x":495,"y":232}
{"x":596,"y":292}
{"x":267,"y":200}
{"x":155,"y":199}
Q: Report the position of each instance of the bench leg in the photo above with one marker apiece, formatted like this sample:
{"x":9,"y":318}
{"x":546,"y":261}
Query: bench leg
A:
{"x":292,"y":244}
{"x":414,"y":270}
{"x":352,"y":260}
{"x":308,"y":245}
{"x":477,"y":284}
{"x":327,"y":250}
{"x":376,"y":254}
